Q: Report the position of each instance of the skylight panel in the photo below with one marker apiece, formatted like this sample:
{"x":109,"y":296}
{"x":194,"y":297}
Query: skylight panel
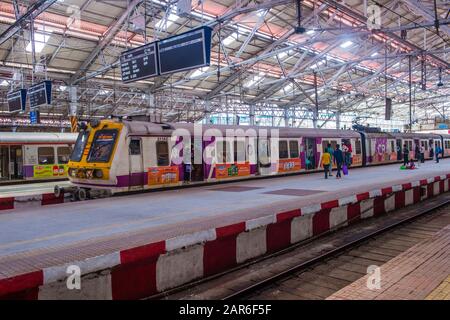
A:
{"x":40,"y":39}
{"x":164,"y":24}
{"x":199,"y":72}
{"x":346,"y":44}
{"x":230,"y":39}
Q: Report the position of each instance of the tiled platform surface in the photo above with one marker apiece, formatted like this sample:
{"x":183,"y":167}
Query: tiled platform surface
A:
{"x":134,"y":246}
{"x":419,"y":273}
{"x":82,"y":229}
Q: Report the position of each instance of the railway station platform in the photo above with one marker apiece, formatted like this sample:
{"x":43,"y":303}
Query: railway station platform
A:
{"x":420,"y":273}
{"x":134,"y":246}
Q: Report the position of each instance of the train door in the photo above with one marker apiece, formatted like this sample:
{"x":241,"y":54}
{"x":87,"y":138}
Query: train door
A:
{"x":398,"y":148}
{"x":264,"y":162}
{"x":136,"y":163}
{"x":4,"y":163}
{"x":15,"y":162}
{"x":310,"y":150}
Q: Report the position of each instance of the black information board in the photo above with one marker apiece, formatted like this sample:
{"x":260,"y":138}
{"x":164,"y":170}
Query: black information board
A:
{"x":40,"y":94}
{"x":139,"y":63}
{"x":186,"y":51}
{"x":17,"y":100}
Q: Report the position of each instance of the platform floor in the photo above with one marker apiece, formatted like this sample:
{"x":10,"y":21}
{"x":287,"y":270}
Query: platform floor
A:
{"x":421,"y":272}
{"x":83,"y":229}
{"x":30,"y":188}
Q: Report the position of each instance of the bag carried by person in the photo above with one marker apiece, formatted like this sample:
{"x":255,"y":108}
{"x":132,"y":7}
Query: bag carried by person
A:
{"x":345,"y":169}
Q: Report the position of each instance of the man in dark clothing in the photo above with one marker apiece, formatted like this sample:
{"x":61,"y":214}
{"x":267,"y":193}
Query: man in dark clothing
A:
{"x":405,"y":155}
{"x":338,"y":159}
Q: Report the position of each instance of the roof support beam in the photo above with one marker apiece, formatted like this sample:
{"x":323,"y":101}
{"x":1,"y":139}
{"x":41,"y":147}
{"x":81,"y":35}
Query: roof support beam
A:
{"x":36,"y":9}
{"x":420,"y":10}
{"x":109,"y":36}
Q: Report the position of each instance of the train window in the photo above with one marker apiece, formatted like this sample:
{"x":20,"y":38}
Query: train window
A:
{"x":46,"y":155}
{"x":135,"y":146}
{"x":293,"y":149}
{"x":283,"y":149}
{"x":102,"y":146}
{"x":80,"y":144}
{"x":63,"y":154}
{"x":239,"y":151}
{"x":357,"y":146}
{"x":162,"y":153}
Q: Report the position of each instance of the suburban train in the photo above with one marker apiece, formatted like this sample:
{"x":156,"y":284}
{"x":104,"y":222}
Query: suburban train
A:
{"x":34,"y":156}
{"x":127,"y":155}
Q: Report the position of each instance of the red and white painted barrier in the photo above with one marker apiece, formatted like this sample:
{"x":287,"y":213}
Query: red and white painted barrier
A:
{"x":146,"y":270}
{"x":19,"y":202}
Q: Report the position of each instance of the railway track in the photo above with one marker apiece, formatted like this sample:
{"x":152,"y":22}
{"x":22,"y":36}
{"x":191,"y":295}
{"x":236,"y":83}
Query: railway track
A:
{"x":318,"y":268}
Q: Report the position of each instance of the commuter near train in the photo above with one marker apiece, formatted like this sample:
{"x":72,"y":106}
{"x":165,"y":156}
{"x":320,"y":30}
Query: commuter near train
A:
{"x":326,"y":163}
{"x":338,"y":160}
{"x":330,"y":150}
{"x":422,"y":154}
{"x":438,"y":151}
{"x":405,"y":155}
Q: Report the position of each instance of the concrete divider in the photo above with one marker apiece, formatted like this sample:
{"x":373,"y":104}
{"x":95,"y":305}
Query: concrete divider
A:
{"x":146,"y":270}
{"x":9,"y":203}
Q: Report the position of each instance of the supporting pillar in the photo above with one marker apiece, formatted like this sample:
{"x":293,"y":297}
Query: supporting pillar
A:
{"x":410,"y":93}
{"x":316,"y":109}
{"x":286,"y":117}
{"x":338,"y":120}
{"x":73,"y":108}
{"x":252,"y":115}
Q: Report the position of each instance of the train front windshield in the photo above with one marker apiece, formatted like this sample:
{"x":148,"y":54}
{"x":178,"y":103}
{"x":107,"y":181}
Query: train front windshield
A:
{"x":78,"y":149}
{"x":103,"y":146}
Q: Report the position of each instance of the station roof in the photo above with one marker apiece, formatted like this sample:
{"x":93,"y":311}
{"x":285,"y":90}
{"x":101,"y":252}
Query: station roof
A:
{"x":258,"y":61}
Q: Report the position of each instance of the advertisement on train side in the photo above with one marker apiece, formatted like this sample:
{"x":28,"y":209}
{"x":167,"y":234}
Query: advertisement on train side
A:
{"x":230,"y":170}
{"x":50,"y":171}
{"x":162,"y":175}
{"x":289,"y":165}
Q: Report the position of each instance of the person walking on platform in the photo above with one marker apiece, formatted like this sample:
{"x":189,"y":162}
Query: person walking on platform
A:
{"x":405,"y":155}
{"x":417,"y":153}
{"x":326,"y":163}
{"x":330,"y":150}
{"x":338,"y":158}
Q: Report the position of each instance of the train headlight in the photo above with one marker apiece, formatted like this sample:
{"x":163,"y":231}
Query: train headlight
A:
{"x":98,"y":173}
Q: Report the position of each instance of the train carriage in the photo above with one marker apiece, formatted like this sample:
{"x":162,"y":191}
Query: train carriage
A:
{"x":135,"y":155}
{"x":34,"y":156}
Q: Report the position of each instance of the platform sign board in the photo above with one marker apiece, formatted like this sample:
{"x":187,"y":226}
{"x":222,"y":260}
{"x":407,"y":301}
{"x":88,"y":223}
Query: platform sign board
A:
{"x":17,"y":100}
{"x":34,"y":117}
{"x":186,"y":51}
{"x":40,"y":94}
{"x":139,"y":63}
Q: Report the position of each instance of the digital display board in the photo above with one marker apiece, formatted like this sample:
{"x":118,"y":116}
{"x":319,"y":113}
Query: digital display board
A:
{"x":40,"y":94}
{"x":139,"y":63}
{"x":17,"y":100}
{"x":186,"y":51}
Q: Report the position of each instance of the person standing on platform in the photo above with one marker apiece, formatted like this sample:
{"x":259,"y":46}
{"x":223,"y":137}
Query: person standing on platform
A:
{"x":422,"y":154}
{"x":417,"y":153}
{"x":431,"y":153}
{"x":330,"y":151}
{"x":405,"y":155}
{"x":438,"y":151}
{"x":338,"y":158}
{"x":326,"y":163}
